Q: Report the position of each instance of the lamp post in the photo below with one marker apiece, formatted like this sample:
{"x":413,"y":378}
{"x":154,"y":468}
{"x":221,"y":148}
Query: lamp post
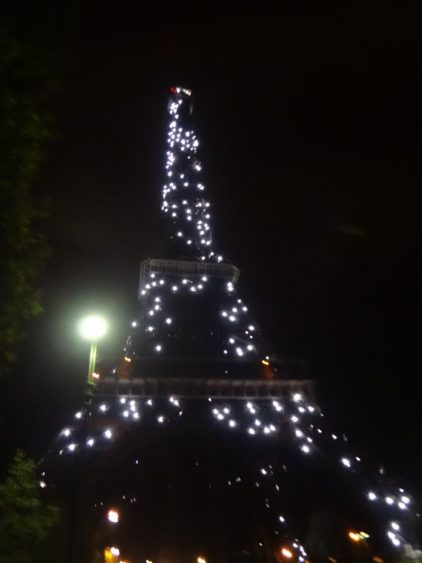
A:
{"x":92,"y":328}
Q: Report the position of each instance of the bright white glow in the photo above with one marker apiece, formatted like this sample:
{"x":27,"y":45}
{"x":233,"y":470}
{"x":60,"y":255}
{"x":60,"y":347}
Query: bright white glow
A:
{"x":346,"y":462}
{"x":372,"y":496}
{"x":43,"y":484}
{"x":108,"y":434}
{"x":168,"y":321}
{"x":103,"y":407}
{"x":282,"y":519}
{"x":239,"y":351}
{"x":78,"y":415}
{"x":395,"y":526}
{"x":134,"y":324}
{"x":401,"y":505}
{"x":277,"y":406}
{"x":389,"y":500}
{"x":113,"y":516}
{"x":90,"y":442}
{"x":66,"y":432}
{"x":297,"y":397}
{"x":232,"y":423}
{"x":251,"y":431}
{"x":396,"y":542}
{"x":160,"y":419}
{"x":405,"y":499}
{"x":115,"y":551}
{"x":305,"y":448}
{"x":92,"y":327}
{"x":158,"y":348}
{"x":71,"y":447}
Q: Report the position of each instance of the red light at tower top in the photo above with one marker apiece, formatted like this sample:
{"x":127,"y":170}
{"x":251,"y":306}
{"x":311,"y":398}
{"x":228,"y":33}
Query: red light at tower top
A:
{"x":180,"y":91}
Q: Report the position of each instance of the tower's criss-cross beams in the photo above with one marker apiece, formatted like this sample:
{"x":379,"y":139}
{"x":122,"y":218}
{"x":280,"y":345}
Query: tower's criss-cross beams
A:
{"x":194,"y":341}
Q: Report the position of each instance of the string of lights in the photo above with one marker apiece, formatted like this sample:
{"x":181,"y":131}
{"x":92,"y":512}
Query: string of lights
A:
{"x":233,"y":335}
{"x":259,"y":420}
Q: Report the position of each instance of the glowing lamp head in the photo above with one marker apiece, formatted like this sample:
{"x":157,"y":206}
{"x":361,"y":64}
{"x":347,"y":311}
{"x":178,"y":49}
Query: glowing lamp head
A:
{"x":113,"y":516}
{"x":286,"y":553}
{"x":92,"y":328}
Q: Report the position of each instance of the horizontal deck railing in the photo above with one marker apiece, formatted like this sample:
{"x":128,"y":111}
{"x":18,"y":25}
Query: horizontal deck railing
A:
{"x":203,"y":388}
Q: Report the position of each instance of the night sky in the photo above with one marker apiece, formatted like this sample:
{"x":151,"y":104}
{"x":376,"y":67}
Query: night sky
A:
{"x":310,"y":121}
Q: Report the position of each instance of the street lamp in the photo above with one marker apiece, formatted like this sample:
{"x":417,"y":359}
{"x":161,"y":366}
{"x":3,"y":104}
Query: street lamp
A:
{"x":286,"y":553}
{"x":92,"y":328}
{"x":113,"y":516}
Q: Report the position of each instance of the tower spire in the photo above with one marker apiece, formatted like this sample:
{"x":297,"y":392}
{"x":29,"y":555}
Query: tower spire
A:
{"x":183,"y":194}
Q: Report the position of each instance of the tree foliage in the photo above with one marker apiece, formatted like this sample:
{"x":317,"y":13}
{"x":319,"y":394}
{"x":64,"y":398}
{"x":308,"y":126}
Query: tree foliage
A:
{"x":26,"y":522}
{"x":25,"y":86}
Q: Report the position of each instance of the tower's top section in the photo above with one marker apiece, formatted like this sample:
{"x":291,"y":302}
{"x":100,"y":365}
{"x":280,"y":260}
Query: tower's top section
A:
{"x":183,"y":195}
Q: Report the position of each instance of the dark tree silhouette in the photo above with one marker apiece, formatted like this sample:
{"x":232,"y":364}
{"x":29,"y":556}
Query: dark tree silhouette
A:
{"x":25,"y":86}
{"x":26,"y":522}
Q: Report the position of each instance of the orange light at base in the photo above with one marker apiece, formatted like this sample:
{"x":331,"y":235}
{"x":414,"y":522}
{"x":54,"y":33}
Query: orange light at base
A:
{"x":287,"y":553}
{"x":358,"y":536}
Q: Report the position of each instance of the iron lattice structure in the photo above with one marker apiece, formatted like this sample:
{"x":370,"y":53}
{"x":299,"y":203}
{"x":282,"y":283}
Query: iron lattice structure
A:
{"x":197,"y":388}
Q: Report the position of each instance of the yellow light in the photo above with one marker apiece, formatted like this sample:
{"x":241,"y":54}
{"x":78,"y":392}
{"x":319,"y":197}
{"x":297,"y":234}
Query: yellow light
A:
{"x":285,"y":552}
{"x":96,"y":375}
{"x":265,"y":362}
{"x":364,"y":535}
{"x":127,"y":359}
{"x":354,"y":536}
{"x":201,"y":560}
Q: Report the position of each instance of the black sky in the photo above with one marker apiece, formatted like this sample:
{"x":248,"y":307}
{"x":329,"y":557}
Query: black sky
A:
{"x":310,"y":123}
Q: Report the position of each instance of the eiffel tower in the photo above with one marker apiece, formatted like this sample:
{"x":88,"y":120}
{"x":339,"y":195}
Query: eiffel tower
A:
{"x":207,"y":446}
